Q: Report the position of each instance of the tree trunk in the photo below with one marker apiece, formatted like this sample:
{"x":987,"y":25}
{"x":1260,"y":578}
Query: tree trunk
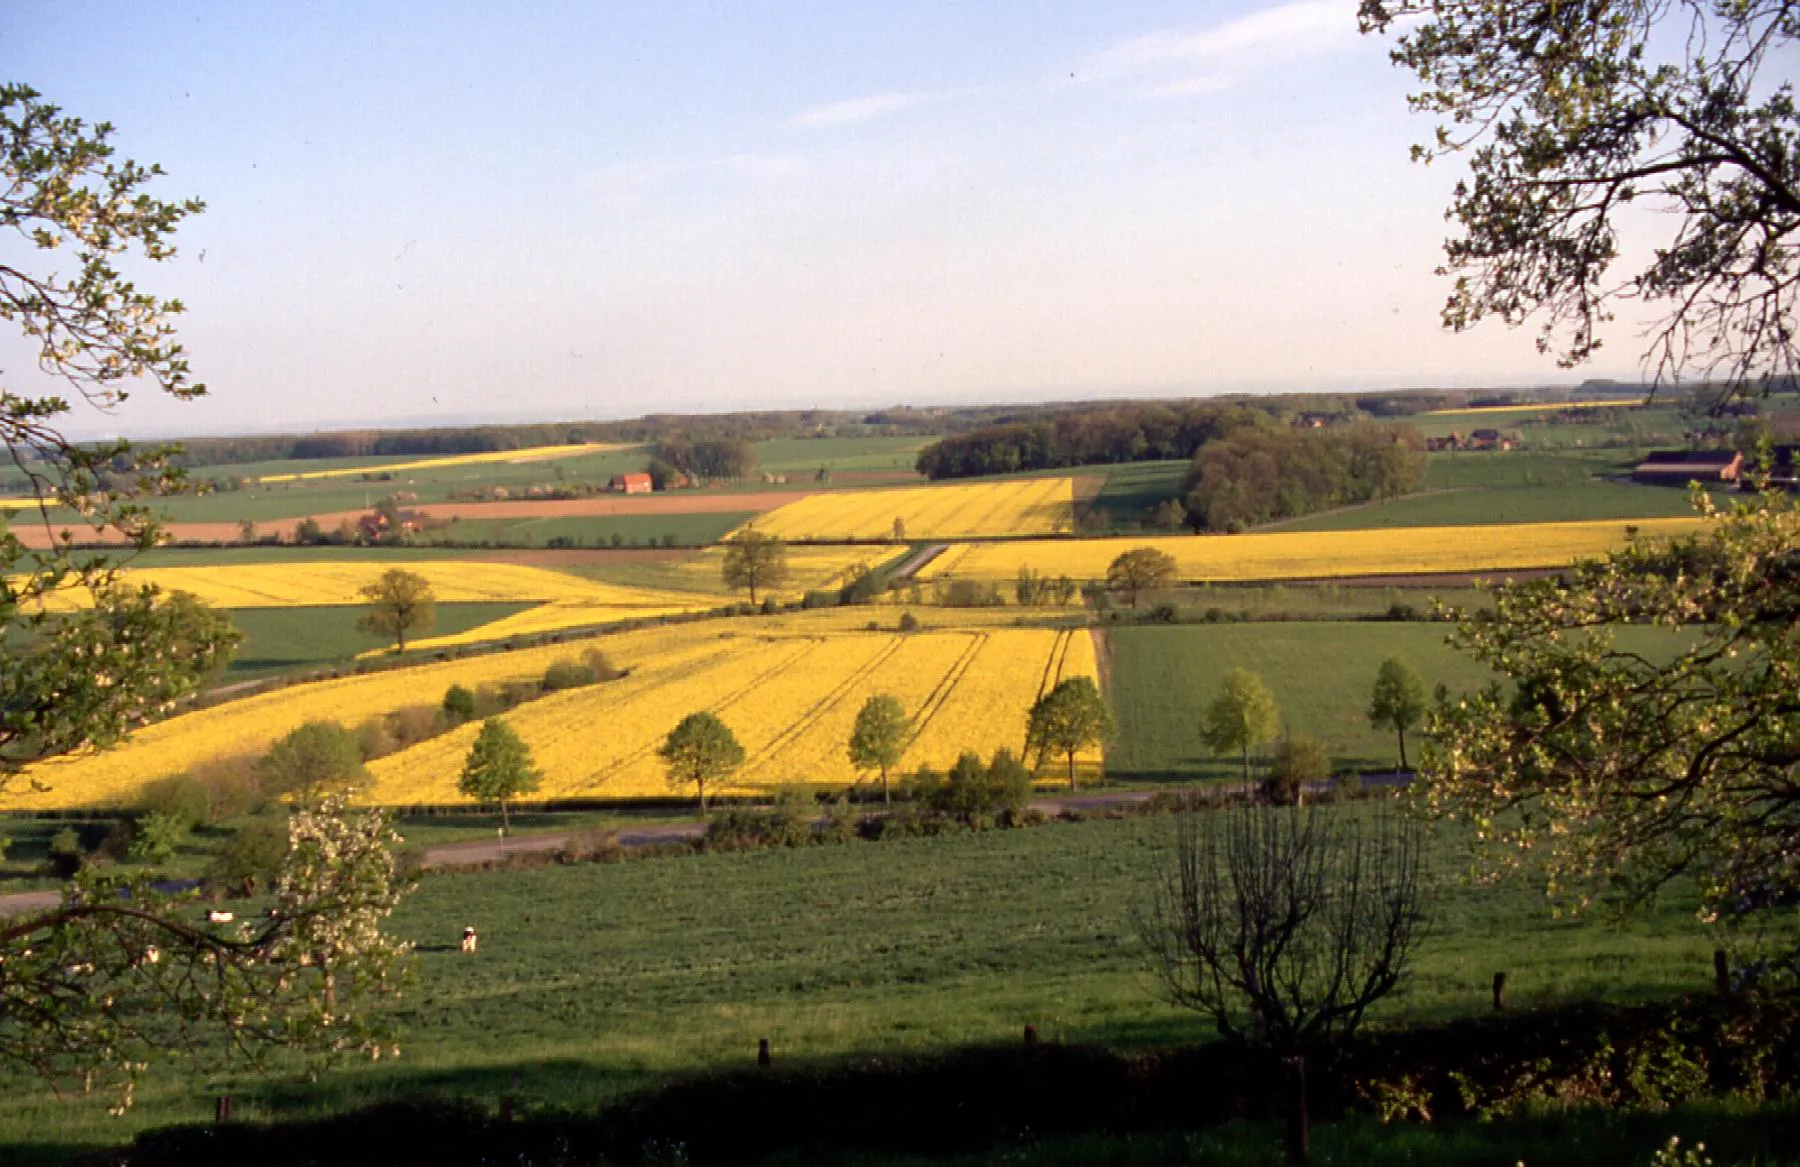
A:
{"x":1299,"y":1147}
{"x":400,"y":635}
{"x":1071,"y":771}
{"x":702,"y":784}
{"x":1403,"y":764}
{"x":885,"y":799}
{"x":1246,"y":766}
{"x":505,"y":822}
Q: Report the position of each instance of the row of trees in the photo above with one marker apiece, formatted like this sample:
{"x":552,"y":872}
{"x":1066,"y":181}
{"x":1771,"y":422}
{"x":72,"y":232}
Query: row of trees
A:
{"x":1125,"y":433}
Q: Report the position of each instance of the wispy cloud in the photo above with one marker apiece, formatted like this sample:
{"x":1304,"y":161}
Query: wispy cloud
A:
{"x":858,"y":109}
{"x":1304,"y":28}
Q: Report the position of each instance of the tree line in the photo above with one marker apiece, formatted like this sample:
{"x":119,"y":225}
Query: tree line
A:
{"x":1089,"y":437}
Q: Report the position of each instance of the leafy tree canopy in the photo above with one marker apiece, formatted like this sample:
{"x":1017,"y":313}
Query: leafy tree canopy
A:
{"x":400,"y":602}
{"x":700,"y":752}
{"x":754,"y":560}
{"x":1574,"y":113}
{"x":1241,"y":717}
{"x":498,"y":767}
{"x":879,"y":737}
{"x":1615,"y":766}
{"x":1070,"y":717}
{"x":1138,"y":570}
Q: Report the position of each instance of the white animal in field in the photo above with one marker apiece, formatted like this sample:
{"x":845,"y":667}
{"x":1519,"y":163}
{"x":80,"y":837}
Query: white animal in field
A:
{"x":215,"y":916}
{"x":468,"y":940}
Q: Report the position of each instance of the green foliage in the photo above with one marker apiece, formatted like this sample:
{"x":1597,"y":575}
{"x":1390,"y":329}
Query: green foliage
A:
{"x":1299,"y":762}
{"x":400,"y":602}
{"x":1243,"y":716}
{"x":180,"y":797}
{"x":88,"y":678}
{"x":249,"y":860}
{"x":1398,"y":701}
{"x":701,"y":751}
{"x":303,"y":981}
{"x":1069,"y":718}
{"x":1260,"y":475}
{"x":459,"y":705}
{"x":1572,"y":113}
{"x":498,"y":767}
{"x":879,"y":737}
{"x":567,"y":674}
{"x":317,"y":758}
{"x":1613,"y":771}
{"x":155,"y":837}
{"x":754,"y":560}
{"x":1138,"y":571}
{"x":977,"y":794}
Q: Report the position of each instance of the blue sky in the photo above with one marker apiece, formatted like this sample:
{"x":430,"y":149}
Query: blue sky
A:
{"x":514,"y":211}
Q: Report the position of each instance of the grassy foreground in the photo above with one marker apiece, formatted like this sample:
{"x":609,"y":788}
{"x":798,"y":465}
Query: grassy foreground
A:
{"x":596,"y":980}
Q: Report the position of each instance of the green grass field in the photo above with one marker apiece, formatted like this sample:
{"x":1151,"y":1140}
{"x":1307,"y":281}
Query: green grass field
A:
{"x":594,"y":980}
{"x":1516,"y":486}
{"x":804,"y":456}
{"x":1320,"y":672}
{"x":279,"y":639}
{"x":1131,"y":491}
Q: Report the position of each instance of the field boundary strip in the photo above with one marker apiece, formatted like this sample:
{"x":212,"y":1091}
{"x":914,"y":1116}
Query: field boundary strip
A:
{"x":940,"y":696}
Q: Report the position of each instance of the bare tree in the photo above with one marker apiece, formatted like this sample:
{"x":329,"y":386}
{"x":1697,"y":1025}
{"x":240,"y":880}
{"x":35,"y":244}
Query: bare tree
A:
{"x":1284,"y":924}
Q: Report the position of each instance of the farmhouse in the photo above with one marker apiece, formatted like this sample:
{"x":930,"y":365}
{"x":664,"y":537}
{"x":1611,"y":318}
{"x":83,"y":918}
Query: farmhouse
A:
{"x":637,"y":483}
{"x":1680,"y":467}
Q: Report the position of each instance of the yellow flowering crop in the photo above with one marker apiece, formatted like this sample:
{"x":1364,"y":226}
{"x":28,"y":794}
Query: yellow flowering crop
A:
{"x":1312,"y":554}
{"x":249,"y":725}
{"x":809,"y":568}
{"x":323,"y":583}
{"x":788,"y":689}
{"x":1024,"y":506}
{"x":531,"y":454}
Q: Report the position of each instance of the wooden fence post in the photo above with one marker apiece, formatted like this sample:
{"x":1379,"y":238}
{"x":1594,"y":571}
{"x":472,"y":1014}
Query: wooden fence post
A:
{"x":222,"y":1108}
{"x":762,"y":1052}
{"x":1721,"y":972}
{"x":1499,"y":991}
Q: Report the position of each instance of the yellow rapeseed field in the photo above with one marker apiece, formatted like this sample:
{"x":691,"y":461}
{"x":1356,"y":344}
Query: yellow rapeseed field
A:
{"x":1311,"y":554}
{"x":531,"y":454}
{"x":249,"y":725}
{"x":789,"y":685}
{"x":789,"y":690}
{"x":809,"y":568}
{"x":323,"y":583}
{"x":1025,"y":506}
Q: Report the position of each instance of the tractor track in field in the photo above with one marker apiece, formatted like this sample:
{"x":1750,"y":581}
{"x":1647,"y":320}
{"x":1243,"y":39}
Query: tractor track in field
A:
{"x":601,"y":776}
{"x":795,"y":729}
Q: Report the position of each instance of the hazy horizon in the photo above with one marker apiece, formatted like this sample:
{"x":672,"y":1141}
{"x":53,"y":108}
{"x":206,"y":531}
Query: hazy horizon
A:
{"x":570,"y":213}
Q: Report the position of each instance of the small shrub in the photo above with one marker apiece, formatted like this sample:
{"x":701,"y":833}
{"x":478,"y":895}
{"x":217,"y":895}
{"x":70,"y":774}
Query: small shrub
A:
{"x":1163,"y":614}
{"x":66,"y":853}
{"x":601,"y":666}
{"x":908,"y":622}
{"x":155,"y":837}
{"x":1299,"y":762}
{"x":819,"y":599}
{"x":1400,"y":610}
{"x":769,"y":607}
{"x":566,"y":674}
{"x":840,"y":821}
{"x":181,"y":798}
{"x":459,"y":705}
{"x":250,"y":858}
